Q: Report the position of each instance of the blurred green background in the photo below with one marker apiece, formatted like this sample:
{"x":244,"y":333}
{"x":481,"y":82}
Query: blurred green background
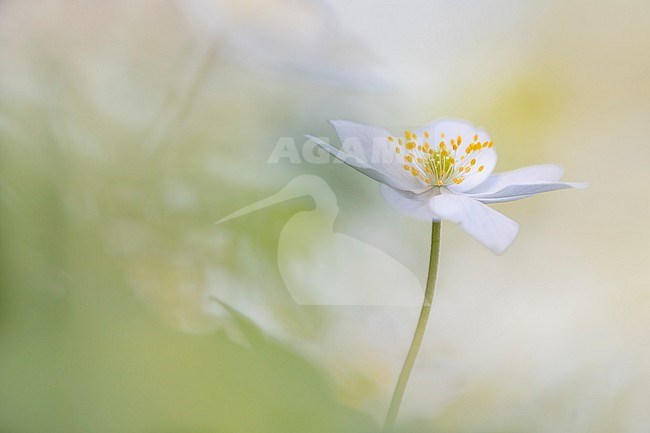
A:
{"x":127,"y":129}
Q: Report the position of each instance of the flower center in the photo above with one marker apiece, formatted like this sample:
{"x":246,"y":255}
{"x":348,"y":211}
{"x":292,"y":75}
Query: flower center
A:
{"x":440,"y":164}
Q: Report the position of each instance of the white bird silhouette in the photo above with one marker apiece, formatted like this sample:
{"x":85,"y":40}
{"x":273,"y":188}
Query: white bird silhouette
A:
{"x":321,"y":267}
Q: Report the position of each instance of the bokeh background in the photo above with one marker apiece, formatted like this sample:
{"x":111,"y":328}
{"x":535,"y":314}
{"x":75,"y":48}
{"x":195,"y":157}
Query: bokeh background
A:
{"x":127,"y":129}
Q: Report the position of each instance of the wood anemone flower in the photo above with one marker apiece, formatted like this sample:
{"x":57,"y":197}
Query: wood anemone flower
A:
{"x":444,"y":171}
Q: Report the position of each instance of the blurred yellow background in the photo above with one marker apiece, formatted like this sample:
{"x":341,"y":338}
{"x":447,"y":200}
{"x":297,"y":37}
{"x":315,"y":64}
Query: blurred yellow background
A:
{"x":127,"y":129}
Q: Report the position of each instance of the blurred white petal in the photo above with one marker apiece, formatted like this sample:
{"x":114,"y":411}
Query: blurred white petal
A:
{"x":524,"y":175}
{"x":370,"y":144}
{"x":358,"y":164}
{"x":489,"y":227}
{"x":398,"y":200}
{"x":517,"y":192}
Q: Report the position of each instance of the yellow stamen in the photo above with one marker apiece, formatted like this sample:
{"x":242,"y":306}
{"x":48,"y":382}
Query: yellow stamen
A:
{"x":441,"y":164}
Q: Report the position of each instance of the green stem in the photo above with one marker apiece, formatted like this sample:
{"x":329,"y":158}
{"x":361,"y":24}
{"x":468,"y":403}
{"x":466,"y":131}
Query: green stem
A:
{"x":419,"y":330}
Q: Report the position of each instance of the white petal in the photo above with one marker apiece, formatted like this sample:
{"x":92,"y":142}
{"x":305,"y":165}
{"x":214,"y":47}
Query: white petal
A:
{"x":452,"y":128}
{"x":517,"y":192}
{"x":358,"y":139}
{"x":486,"y":158}
{"x":360,"y":165}
{"x":409,"y":204}
{"x":489,"y":227}
{"x":525,"y":175}
{"x":371,"y":145}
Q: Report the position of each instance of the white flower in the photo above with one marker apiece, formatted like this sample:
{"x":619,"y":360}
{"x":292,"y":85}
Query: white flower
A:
{"x":443,"y":171}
